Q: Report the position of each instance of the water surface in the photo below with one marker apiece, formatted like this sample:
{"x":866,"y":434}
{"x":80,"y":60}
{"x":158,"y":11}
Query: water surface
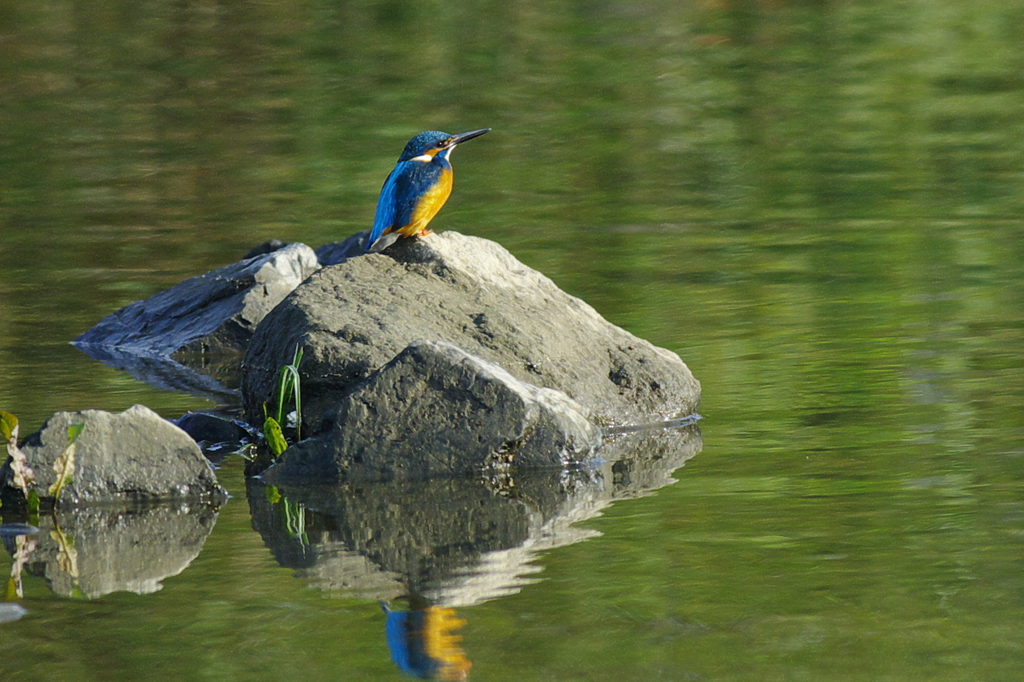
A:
{"x":818,"y":207}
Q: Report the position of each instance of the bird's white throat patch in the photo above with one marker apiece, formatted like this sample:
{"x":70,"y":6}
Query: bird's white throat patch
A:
{"x":432,"y":154}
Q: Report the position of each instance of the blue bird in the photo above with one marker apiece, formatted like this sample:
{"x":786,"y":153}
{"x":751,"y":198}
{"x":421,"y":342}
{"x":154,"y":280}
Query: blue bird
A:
{"x":417,"y":188}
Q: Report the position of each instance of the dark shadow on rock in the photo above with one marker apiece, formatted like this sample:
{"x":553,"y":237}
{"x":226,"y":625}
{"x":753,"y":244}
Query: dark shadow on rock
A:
{"x":339,"y":252}
{"x":455,"y":541}
{"x":99,"y":550}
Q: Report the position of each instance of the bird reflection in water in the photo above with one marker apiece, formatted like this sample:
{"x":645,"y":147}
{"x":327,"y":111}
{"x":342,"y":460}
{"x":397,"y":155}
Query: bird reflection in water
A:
{"x":423,"y":642}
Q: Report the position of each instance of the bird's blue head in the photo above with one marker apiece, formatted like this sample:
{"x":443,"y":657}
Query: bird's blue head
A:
{"x":430,"y":143}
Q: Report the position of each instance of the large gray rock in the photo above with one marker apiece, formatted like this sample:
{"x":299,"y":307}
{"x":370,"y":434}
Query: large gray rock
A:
{"x":354,"y":317}
{"x":435,"y":410}
{"x":208,"y":314}
{"x":134,"y":456}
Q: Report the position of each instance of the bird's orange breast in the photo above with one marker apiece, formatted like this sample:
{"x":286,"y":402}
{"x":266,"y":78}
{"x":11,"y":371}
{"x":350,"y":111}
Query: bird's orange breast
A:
{"x":428,"y":205}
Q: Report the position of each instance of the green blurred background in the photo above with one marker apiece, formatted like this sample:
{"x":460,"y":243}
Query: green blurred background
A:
{"x":818,"y":205}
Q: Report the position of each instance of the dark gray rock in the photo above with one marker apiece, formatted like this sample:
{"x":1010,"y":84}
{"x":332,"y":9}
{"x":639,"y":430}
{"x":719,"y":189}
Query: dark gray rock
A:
{"x":339,"y":252}
{"x":216,"y":437}
{"x":354,"y":317}
{"x":129,"y":457}
{"x":209,"y":428}
{"x":268,"y":246}
{"x":436,"y":410}
{"x":209,"y":314}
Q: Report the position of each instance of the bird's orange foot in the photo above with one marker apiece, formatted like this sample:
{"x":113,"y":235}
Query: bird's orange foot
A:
{"x":426,"y":231}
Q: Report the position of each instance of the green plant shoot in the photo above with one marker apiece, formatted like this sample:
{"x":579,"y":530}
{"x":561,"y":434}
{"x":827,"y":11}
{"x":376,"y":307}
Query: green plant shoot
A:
{"x":289,"y":383}
{"x":295,"y":520}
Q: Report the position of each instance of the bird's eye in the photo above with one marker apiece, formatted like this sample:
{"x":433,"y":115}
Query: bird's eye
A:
{"x":446,"y":143}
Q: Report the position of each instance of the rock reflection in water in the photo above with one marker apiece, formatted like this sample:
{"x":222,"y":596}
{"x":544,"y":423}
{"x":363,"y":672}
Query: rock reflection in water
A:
{"x":96,"y":551}
{"x":213,"y":379}
{"x":425,"y":548}
{"x":454,"y":542}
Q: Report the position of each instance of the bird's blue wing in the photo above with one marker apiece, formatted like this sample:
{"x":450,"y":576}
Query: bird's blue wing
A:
{"x":385,"y":216}
{"x":403,"y":189}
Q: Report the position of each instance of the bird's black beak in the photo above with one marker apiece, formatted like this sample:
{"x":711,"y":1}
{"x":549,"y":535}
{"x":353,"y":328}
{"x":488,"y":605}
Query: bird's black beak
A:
{"x":462,"y":137}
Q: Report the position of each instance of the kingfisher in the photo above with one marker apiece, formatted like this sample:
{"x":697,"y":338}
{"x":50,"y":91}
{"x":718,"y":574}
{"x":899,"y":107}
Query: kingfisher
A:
{"x":417,"y":188}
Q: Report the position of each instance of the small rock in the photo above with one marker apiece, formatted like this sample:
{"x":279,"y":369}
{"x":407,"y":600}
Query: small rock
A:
{"x":209,"y":428}
{"x":129,"y":457}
